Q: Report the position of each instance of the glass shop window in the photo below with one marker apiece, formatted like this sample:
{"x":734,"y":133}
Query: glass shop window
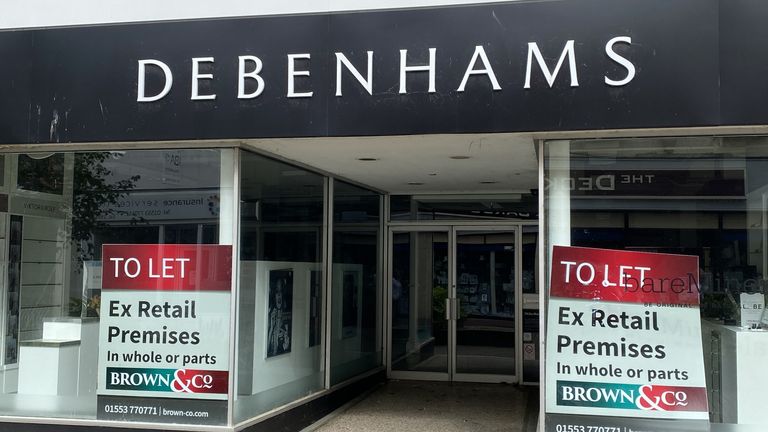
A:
{"x":56,"y":211}
{"x":281,"y":341}
{"x":703,"y":197}
{"x":356,"y":333}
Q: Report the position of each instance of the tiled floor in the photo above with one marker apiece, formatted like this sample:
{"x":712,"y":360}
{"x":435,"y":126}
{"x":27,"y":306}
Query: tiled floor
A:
{"x":423,"y":406}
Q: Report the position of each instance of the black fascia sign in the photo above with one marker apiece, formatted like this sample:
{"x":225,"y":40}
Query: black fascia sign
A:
{"x":506,"y":67}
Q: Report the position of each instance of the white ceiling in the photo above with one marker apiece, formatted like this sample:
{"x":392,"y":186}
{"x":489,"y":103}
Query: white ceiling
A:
{"x":509,"y":160}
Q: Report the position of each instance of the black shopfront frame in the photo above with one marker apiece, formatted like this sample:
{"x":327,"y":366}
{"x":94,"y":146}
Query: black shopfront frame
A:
{"x":699,"y":63}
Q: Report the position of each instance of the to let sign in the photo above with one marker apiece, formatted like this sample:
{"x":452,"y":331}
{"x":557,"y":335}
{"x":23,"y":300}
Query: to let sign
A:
{"x":623,"y":335}
{"x":163,"y":350}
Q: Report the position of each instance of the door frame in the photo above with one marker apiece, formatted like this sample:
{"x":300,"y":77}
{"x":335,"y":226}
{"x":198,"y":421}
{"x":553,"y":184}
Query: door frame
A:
{"x":451,"y":228}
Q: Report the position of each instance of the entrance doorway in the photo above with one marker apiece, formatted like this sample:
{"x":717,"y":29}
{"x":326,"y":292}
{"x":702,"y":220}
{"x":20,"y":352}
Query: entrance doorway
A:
{"x":456,"y":302}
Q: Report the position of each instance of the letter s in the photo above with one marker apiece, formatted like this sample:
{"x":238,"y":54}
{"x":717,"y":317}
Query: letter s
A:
{"x":620,"y":60}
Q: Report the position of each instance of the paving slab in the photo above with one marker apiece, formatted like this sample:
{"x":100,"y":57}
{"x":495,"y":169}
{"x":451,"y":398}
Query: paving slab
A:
{"x":426,"y":406}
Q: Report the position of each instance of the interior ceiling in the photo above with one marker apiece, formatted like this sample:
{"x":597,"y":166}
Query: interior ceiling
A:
{"x":420,"y":164}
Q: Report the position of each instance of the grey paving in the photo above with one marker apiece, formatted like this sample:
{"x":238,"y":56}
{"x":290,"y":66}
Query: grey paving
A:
{"x":425,"y":406}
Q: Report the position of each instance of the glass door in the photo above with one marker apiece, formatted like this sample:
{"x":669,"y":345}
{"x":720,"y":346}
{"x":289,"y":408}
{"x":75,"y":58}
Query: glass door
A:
{"x":486,"y":290}
{"x":420,"y":306}
{"x":454,"y":301}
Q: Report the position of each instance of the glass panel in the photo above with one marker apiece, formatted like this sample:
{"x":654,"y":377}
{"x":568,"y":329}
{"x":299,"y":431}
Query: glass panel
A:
{"x":530,"y":252}
{"x":280,"y":332}
{"x":519,"y":206}
{"x":485,"y":291}
{"x":356,"y":319}
{"x":529,"y":368}
{"x":56,"y":212}
{"x":419,"y":293}
{"x":181,"y":233}
{"x":700,"y":196}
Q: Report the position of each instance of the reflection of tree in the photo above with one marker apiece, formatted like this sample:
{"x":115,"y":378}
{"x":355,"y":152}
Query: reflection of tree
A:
{"x":93,"y":195}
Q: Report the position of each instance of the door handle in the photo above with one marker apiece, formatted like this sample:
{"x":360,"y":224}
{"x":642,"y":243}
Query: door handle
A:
{"x":447,"y":309}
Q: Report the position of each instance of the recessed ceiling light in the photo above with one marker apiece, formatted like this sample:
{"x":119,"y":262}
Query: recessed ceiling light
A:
{"x":367,"y":159}
{"x":415,"y":183}
{"x":488,"y":182}
{"x":460,"y":157}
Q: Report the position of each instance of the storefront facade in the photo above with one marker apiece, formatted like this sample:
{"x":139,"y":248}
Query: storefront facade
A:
{"x":242,"y":219}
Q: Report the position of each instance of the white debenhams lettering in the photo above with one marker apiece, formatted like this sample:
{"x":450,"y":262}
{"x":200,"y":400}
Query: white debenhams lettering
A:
{"x":293,"y":73}
{"x":254,"y":74}
{"x":367,"y":83}
{"x":165,"y":269}
{"x":430,"y":67}
{"x":141,"y":92}
{"x":487,"y":69}
{"x":620,"y":60}
{"x":251,"y":82}
{"x":197,"y":76}
{"x":568,"y":51}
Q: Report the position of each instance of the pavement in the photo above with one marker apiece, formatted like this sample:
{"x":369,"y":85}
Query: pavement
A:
{"x":427,"y":406}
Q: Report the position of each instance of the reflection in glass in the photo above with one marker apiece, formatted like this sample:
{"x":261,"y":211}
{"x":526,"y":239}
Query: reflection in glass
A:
{"x":60,"y":209}
{"x":41,"y":172}
{"x":485,"y":290}
{"x":355,"y":326}
{"x":419,"y":293}
{"x":701,"y":196}
{"x":280,"y":337}
{"x":473,"y":207}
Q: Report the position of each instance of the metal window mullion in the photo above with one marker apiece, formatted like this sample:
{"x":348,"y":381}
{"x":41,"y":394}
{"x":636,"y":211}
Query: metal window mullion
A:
{"x":518,"y":342}
{"x":234,"y":295}
{"x":328,"y":275}
{"x":387,"y":354}
{"x":454,"y":308}
{"x":543,"y":290}
{"x":383,"y":271}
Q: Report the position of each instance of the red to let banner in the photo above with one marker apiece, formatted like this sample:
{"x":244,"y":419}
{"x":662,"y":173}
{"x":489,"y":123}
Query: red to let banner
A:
{"x":167,"y":267}
{"x":624,"y":276}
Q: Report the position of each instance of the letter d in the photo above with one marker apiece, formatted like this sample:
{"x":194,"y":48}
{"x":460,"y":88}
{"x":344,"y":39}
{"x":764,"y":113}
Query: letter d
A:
{"x":140,"y":93}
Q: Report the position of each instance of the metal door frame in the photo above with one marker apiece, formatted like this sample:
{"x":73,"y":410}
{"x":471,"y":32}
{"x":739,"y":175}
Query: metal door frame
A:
{"x":451,"y":229}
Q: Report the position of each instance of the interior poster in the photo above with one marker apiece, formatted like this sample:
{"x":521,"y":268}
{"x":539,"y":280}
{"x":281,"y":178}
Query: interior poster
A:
{"x":349,"y":307}
{"x":280,"y":313}
{"x":624,"y":336}
{"x":163,"y":345}
{"x":315,"y":297}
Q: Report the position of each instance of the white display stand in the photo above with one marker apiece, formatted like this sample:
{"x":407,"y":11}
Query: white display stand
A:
{"x":45,"y":367}
{"x":743,"y":372}
{"x":64,"y":361}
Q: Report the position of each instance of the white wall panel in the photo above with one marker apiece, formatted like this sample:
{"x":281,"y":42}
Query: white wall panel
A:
{"x":48,"y":13}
